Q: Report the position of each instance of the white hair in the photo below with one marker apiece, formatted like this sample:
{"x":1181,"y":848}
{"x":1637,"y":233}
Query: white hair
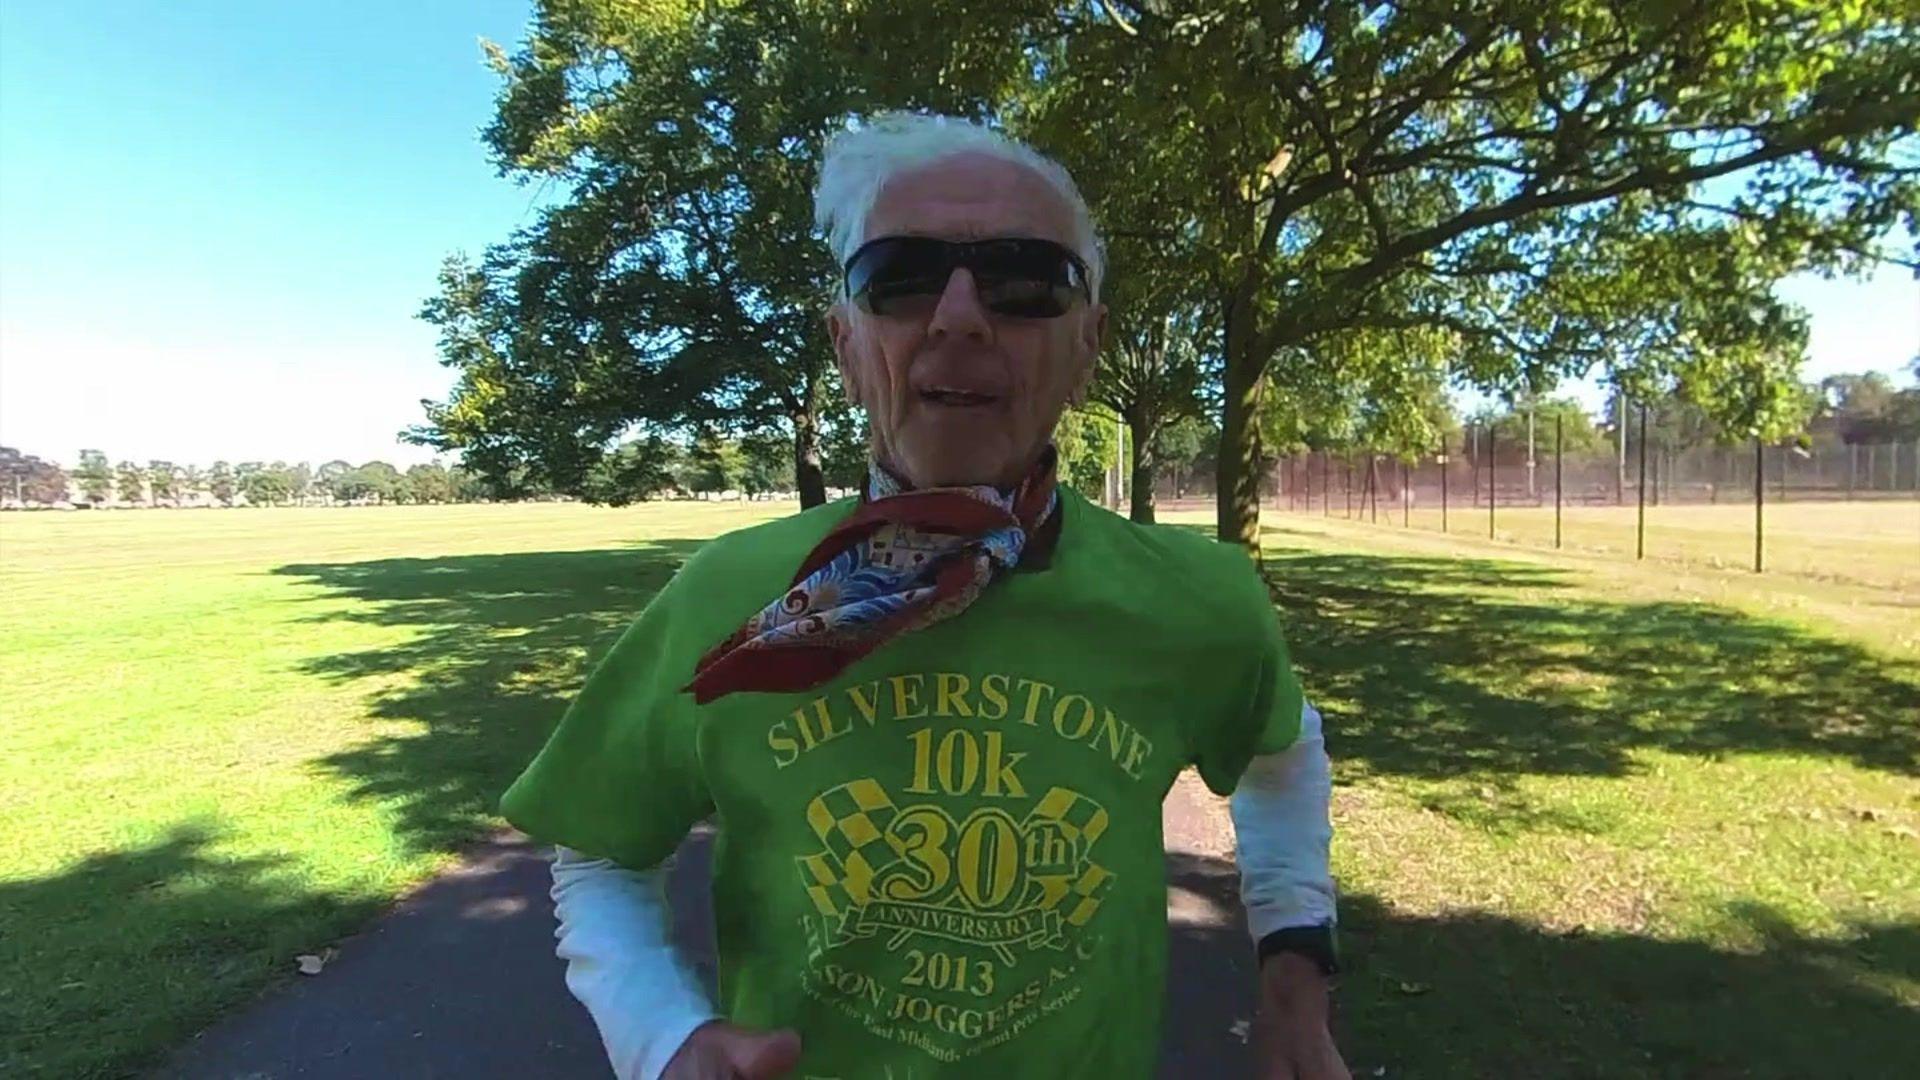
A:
{"x":860,"y":161}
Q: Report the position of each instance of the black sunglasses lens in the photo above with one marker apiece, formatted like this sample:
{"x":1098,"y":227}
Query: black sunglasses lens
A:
{"x":1022,"y":278}
{"x":888,"y":275}
{"x":1025,"y":278}
{"x":1026,"y":298}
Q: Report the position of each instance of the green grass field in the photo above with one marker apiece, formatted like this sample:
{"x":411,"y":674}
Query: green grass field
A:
{"x":1595,"y":818}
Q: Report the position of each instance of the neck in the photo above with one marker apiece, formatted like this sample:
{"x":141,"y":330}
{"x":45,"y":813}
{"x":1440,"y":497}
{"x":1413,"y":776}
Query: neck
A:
{"x":908,"y":482}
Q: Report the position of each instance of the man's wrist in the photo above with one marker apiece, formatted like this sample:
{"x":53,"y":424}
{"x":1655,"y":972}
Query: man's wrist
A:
{"x":1314,"y":944}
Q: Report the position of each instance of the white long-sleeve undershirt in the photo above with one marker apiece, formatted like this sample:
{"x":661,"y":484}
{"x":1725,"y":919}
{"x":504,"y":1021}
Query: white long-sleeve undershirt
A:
{"x":1282,"y":828}
{"x":616,"y":936}
{"x":616,"y":926}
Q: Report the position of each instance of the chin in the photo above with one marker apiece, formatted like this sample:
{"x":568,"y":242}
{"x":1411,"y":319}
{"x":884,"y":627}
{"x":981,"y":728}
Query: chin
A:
{"x":957,"y":467}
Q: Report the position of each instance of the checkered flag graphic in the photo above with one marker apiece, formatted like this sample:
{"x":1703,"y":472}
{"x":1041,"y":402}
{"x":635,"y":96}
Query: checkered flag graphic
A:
{"x":851,"y":822}
{"x":1081,"y":821}
{"x":1085,"y":894}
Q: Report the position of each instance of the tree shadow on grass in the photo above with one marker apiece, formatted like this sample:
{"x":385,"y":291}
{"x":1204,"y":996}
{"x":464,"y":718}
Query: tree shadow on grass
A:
{"x":1456,"y":995}
{"x":1477,"y":995}
{"x":1450,"y":667}
{"x":192,"y":931}
{"x":498,"y":646}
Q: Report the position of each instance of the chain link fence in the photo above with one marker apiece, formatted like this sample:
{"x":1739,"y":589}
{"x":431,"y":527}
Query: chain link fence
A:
{"x":1825,"y":509}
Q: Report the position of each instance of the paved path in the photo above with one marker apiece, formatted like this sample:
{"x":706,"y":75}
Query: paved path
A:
{"x":461,"y":981}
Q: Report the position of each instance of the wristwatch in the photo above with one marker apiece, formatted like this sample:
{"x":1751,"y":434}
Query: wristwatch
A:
{"x":1316,"y":943}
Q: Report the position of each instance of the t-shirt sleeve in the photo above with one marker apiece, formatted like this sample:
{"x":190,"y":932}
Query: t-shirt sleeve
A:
{"x":1260,"y":713}
{"x":620,"y":778}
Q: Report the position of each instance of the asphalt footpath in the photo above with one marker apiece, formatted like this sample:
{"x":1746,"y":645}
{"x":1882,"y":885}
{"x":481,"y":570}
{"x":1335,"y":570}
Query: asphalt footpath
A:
{"x":460,"y":980}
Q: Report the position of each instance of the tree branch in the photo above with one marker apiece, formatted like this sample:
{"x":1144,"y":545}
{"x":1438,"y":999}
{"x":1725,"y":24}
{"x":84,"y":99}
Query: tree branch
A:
{"x":1336,"y":159}
{"x":1425,"y":93}
{"x":1383,"y":263}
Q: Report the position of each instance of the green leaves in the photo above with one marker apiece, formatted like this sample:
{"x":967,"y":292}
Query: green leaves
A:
{"x":676,"y":285}
{"x":1350,"y":205}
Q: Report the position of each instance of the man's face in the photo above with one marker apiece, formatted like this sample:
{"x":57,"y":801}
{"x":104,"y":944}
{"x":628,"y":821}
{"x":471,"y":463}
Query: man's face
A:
{"x":896,"y":366}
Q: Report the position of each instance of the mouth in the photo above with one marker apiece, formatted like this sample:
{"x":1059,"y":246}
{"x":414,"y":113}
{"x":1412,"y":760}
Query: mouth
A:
{"x":950,"y":398}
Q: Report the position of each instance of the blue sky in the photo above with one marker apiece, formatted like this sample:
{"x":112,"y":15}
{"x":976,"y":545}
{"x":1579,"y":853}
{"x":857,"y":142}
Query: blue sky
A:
{"x":218,"y":220}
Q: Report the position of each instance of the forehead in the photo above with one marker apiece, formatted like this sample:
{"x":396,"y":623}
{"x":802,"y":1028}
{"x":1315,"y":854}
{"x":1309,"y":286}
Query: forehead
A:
{"x":968,"y":196}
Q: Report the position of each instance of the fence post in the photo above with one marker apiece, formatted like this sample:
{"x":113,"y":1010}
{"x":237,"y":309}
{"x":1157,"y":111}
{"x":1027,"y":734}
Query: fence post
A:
{"x":1620,"y":473}
{"x":1373,"y":488}
{"x":1445,"y":461}
{"x":1473,"y":453}
{"x":1853,"y":466}
{"x":1786,"y":459}
{"x":1759,"y":502}
{"x":1558,"y":461}
{"x":1640,"y":542}
{"x":1493,"y":481}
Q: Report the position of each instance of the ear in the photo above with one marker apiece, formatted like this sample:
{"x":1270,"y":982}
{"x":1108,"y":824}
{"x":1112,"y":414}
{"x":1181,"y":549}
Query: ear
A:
{"x":1092,"y":335}
{"x":840,"y":329}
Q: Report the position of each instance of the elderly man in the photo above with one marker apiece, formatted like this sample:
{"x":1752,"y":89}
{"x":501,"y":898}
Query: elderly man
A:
{"x":934,"y":726}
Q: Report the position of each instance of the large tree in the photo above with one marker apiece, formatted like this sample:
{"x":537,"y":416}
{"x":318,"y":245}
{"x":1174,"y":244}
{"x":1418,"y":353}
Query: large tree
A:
{"x":635,"y":471}
{"x":265,"y":485}
{"x":677,"y":284}
{"x":712,"y":465}
{"x":1557,"y":184}
{"x":164,"y":479}
{"x":192,"y":483}
{"x":1180,"y":447}
{"x":378,"y":480}
{"x":94,"y":475}
{"x":220,"y":483}
{"x":131,"y":480}
{"x":1160,"y":353}
{"x":765,"y":466}
{"x":29,"y":480}
{"x":427,"y":483}
{"x":1867,"y":408}
{"x":1089,"y":443}
{"x":331,"y":477}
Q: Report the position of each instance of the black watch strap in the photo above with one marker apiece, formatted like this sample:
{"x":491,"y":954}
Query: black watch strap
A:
{"x":1316,"y":943}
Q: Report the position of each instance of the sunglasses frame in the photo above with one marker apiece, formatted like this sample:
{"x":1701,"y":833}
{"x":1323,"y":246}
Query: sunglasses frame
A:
{"x":966,"y":253}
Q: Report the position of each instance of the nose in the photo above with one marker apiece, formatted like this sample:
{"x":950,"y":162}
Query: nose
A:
{"x":959,"y":312}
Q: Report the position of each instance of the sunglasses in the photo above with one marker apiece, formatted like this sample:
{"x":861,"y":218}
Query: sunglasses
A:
{"x":1024,"y":277}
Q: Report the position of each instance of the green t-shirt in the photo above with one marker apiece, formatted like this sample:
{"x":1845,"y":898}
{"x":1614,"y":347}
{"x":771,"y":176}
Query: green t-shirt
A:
{"x":948,"y":860}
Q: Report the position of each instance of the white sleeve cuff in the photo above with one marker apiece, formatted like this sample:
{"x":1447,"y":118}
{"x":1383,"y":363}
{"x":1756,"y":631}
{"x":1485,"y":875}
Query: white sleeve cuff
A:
{"x":1282,"y":830}
{"x":616,"y":936}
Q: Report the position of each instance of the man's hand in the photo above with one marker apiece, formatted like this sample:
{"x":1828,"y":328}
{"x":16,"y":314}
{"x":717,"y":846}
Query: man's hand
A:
{"x":1295,"y":1042}
{"x":718,"y":1050}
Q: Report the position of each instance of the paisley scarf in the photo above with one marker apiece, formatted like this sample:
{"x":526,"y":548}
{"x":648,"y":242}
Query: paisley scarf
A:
{"x":903,"y":560}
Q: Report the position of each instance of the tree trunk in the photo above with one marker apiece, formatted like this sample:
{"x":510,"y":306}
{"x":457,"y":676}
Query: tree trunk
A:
{"x":807,"y":474}
{"x":1238,"y":493}
{"x":1141,"y":429}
